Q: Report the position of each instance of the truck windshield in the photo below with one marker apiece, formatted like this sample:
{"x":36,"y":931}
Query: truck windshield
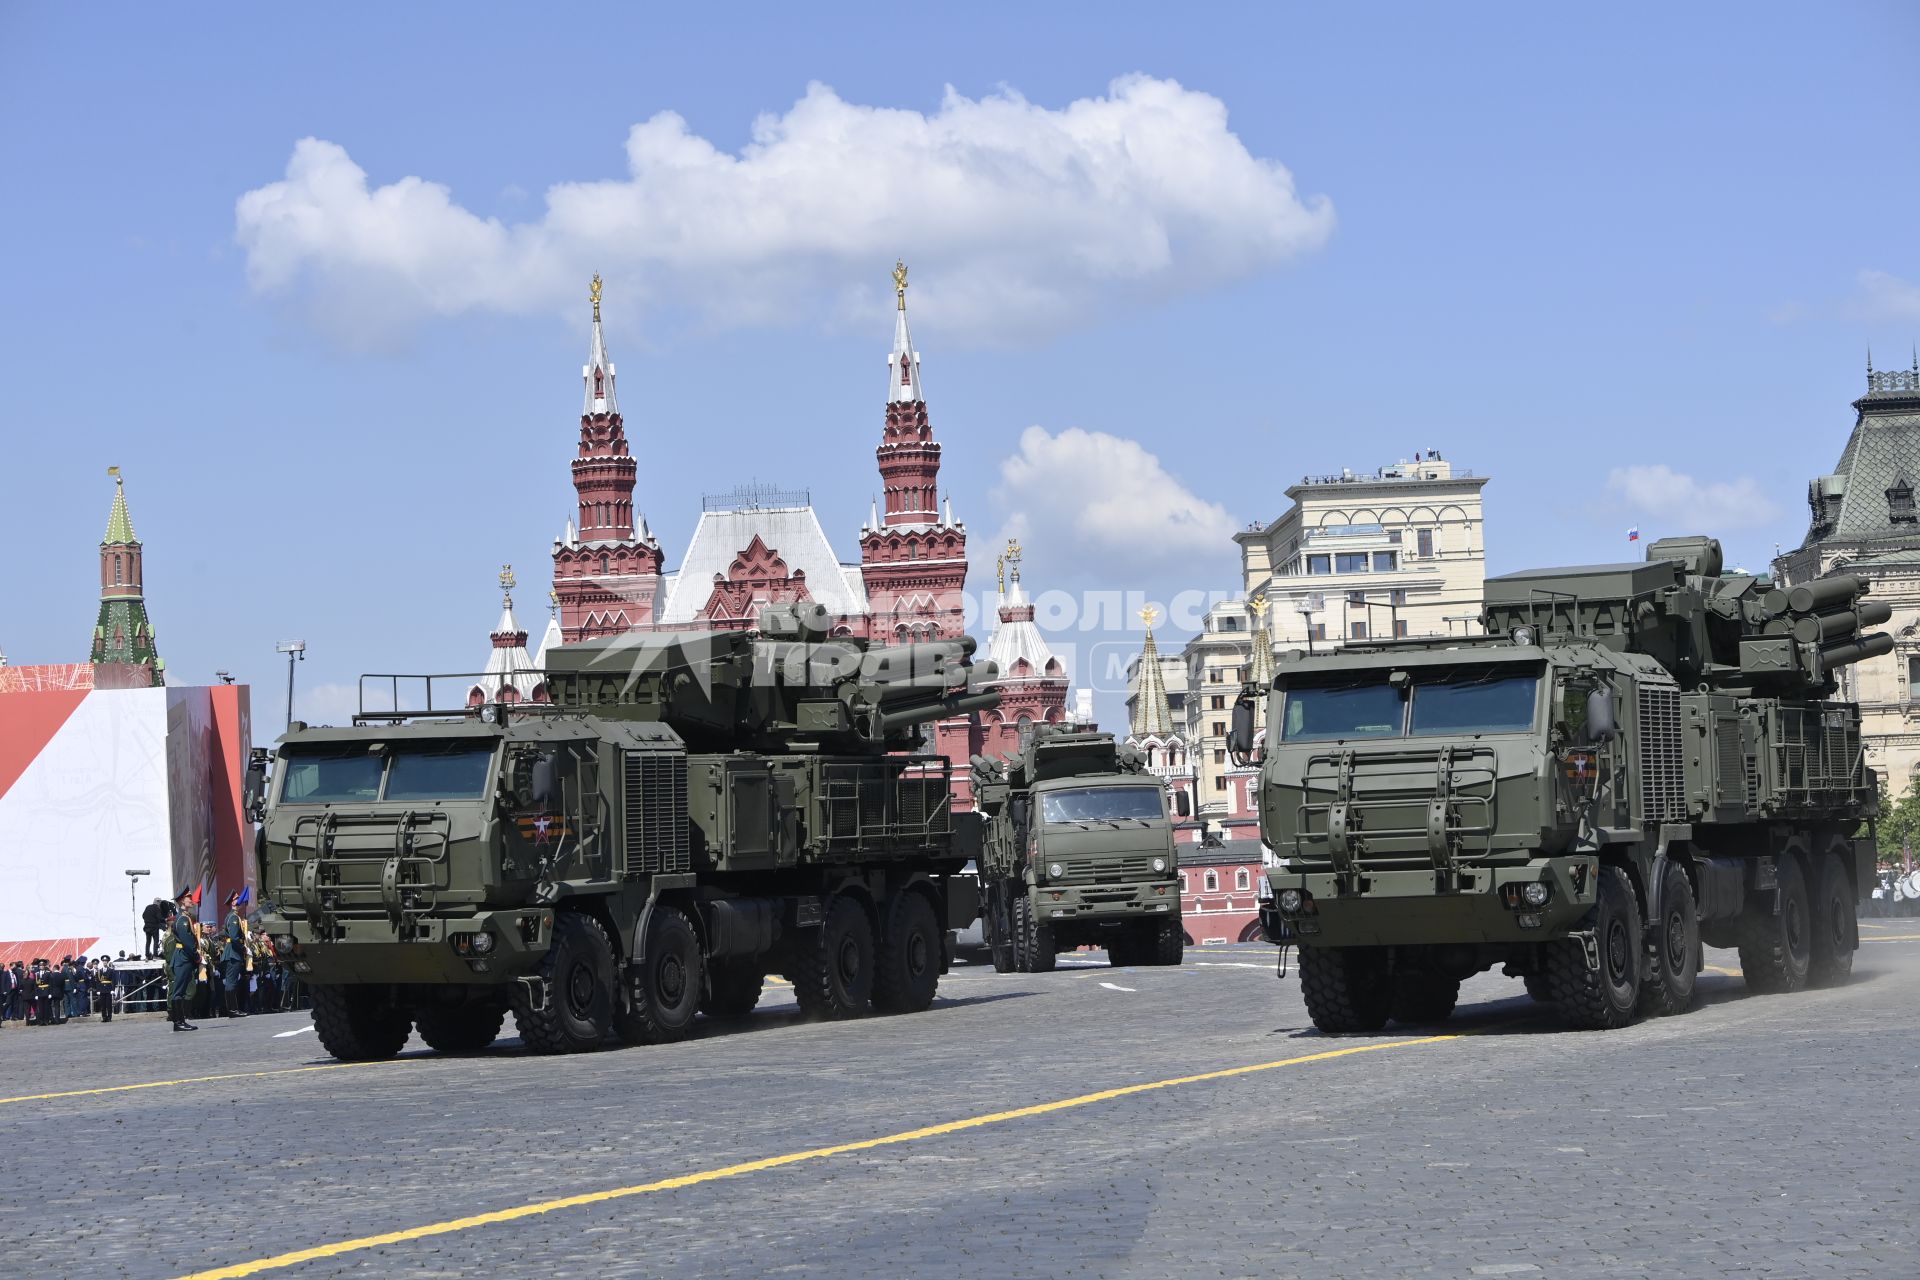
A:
{"x":1372,"y":710}
{"x":440,"y":771}
{"x":1437,"y":704}
{"x":1101,"y":804}
{"x":311,"y":778}
{"x":1487,"y":703}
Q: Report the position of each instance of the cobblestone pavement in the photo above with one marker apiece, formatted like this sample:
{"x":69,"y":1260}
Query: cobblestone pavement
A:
{"x":1756,"y":1136}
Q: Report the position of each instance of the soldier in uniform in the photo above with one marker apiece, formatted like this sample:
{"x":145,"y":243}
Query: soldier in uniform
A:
{"x":105,"y":979}
{"x":41,"y":995}
{"x":57,"y":990}
{"x":7,"y":983}
{"x":236,"y":959}
{"x":185,"y":966}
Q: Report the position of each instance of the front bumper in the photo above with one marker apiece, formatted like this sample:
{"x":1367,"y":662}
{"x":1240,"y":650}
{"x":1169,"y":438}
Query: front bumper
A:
{"x":371,"y":953}
{"x":1406,"y":908}
{"x":1061,"y":903}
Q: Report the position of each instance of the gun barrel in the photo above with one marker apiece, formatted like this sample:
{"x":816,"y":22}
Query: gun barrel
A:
{"x":1858,"y":651}
{"x":957,"y":704}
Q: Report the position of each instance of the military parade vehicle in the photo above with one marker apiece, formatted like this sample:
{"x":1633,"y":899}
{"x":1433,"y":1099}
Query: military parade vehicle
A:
{"x":694,"y":811}
{"x":1078,"y":852}
{"x":1634,"y":760}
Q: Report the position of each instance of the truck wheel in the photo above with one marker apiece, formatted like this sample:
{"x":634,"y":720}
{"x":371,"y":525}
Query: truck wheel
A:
{"x":993,"y":928}
{"x":467,"y":1028}
{"x":833,"y":972}
{"x":906,"y":970}
{"x":578,"y":969}
{"x":1035,"y":946}
{"x":1776,"y":950}
{"x":1539,"y":988}
{"x":1590,"y":1001}
{"x":661,"y":999}
{"x":1677,"y":940}
{"x":1836,"y":931}
{"x":356,"y":1024}
{"x":1346,"y":988}
{"x":1124,"y":950}
{"x":1422,"y":999}
{"x":1169,"y":944}
{"x":733,"y":992}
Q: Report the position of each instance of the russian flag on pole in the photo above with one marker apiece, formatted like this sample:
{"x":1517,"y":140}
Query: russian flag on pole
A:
{"x":1633,"y":535}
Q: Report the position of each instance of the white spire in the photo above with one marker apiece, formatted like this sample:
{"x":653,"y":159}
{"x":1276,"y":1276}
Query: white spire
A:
{"x":903,"y":366}
{"x":946,"y":511}
{"x":571,"y":535}
{"x":597,"y":373}
{"x":873,"y":513}
{"x":1016,"y":639}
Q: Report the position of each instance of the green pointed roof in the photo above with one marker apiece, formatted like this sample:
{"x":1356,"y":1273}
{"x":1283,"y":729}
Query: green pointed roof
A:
{"x":1260,"y":665}
{"x":1152,"y":716}
{"x":119,"y":523}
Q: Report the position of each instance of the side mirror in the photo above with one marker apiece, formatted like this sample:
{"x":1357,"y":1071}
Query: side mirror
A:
{"x":1240,"y":735}
{"x":1600,"y":726}
{"x":545,"y":786}
{"x":256,"y":790}
{"x":1182,"y":804}
{"x":1018,"y":808}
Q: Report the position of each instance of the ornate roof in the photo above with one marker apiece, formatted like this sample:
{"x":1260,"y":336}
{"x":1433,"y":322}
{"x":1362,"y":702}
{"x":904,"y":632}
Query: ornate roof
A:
{"x":903,"y":366}
{"x":792,"y":534}
{"x":1016,"y":647}
{"x":119,"y":522}
{"x":1152,"y":717}
{"x":1871,"y":496}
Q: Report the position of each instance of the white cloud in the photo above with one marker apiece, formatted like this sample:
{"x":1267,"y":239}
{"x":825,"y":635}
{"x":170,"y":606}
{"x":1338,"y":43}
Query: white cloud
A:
{"x":1677,"y":499}
{"x":1888,"y":297}
{"x":1017,"y":217}
{"x":327,"y":702}
{"x":1087,"y":491}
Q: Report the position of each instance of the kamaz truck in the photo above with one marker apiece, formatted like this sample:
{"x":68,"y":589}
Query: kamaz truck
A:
{"x":694,"y":811}
{"x":1634,"y":760}
{"x":1079,"y":852}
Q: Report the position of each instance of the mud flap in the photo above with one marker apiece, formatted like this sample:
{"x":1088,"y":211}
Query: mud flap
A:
{"x":536,"y":992}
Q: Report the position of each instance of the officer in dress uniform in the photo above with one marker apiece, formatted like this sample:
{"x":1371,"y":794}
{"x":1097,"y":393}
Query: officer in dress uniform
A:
{"x":42,"y":995}
{"x":105,"y":979}
{"x":185,"y":966}
{"x":7,"y":981}
{"x":57,"y":988}
{"x":236,"y":959}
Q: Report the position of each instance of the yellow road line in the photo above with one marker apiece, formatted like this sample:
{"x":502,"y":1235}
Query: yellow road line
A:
{"x":1714,"y":968}
{"x":237,"y":1075}
{"x":1895,"y":937}
{"x":452,"y":1225}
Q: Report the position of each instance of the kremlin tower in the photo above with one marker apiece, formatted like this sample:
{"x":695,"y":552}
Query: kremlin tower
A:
{"x":913,"y":556}
{"x":510,"y":675}
{"x":605,"y":578}
{"x":1031,"y":681}
{"x":123,"y":635}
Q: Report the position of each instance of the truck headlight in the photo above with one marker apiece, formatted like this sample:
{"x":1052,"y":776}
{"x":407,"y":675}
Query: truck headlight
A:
{"x":1536,"y":894}
{"x":1291,"y":901}
{"x":1055,"y":870}
{"x":482,"y":943}
{"x":1159,"y":864}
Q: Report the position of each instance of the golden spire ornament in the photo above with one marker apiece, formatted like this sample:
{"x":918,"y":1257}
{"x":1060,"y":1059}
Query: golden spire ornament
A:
{"x":900,"y":282}
{"x":1148,"y":614}
{"x":593,"y":292}
{"x":506,"y":582}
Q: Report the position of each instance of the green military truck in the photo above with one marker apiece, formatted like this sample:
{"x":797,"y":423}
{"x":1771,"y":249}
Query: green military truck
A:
{"x":1634,"y":760}
{"x":1078,"y":852}
{"x":693,"y":812}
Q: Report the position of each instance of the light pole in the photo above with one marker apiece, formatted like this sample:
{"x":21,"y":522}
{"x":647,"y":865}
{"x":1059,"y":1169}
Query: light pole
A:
{"x":296,"y":651}
{"x":133,"y":890}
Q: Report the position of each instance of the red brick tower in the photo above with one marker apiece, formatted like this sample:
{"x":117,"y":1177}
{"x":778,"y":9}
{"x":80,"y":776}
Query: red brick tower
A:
{"x":913,"y":558}
{"x":1032,"y":682}
{"x":605,"y":578}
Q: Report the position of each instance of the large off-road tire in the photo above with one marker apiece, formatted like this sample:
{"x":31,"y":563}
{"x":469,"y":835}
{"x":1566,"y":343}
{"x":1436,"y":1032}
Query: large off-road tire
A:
{"x":995,"y":930}
{"x":466,"y":1028}
{"x":1123,"y":950}
{"x":1600,"y":1001}
{"x":356,"y":1024}
{"x":579,"y":973}
{"x":906,"y":963}
{"x":663,"y":995}
{"x":833,"y":965}
{"x":1346,"y":988}
{"x":1676,"y":943}
{"x":1776,"y":949}
{"x":1166,"y":945}
{"x":1539,"y":988}
{"x":1034,"y":945}
{"x":1423,"y":999}
{"x":1835,"y":926}
{"x":732,"y":991}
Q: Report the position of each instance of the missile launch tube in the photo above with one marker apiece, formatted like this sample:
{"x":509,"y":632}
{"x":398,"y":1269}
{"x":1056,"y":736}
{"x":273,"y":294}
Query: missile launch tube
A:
{"x":938,"y":709}
{"x":1822,"y":593}
{"x":1858,"y":651}
{"x":1824,"y":628}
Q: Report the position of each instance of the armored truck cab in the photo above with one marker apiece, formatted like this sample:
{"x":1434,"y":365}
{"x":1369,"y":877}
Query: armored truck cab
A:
{"x":694,"y":811}
{"x":1635,"y":758}
{"x":1079,"y":852}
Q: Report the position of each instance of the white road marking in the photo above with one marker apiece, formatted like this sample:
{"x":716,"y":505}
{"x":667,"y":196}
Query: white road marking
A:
{"x":282,"y":1035}
{"x":1228,"y":964}
{"x":1111,"y":986}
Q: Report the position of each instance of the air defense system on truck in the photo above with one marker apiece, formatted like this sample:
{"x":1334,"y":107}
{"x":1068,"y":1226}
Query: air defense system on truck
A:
{"x":695,"y":811}
{"x":1079,"y":852}
{"x":1635,"y":758}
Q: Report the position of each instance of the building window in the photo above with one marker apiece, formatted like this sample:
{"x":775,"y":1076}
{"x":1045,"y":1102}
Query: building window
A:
{"x":1397,"y":596}
{"x":1350,"y":562}
{"x":606,"y":564}
{"x":1242,"y":881}
{"x":1213,"y":676}
{"x":1358,"y":631}
{"x":1400,"y":626}
{"x":1423,"y":543}
{"x":1219,"y":728}
{"x":1219,"y":756}
{"x":1219,"y":784}
{"x":1184,"y":886}
{"x":1383,"y":562}
{"x":1393,"y":536}
{"x":1213,"y":882}
{"x":1900,"y":502}
{"x":1318,"y":631}
{"x":1218,"y":702}
{"x":1356,"y":597}
{"x":116,"y":571}
{"x":1318,"y":564}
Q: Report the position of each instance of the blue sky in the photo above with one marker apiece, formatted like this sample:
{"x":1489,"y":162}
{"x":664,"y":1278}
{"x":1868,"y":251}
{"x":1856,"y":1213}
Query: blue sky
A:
{"x":1563,"y":249}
